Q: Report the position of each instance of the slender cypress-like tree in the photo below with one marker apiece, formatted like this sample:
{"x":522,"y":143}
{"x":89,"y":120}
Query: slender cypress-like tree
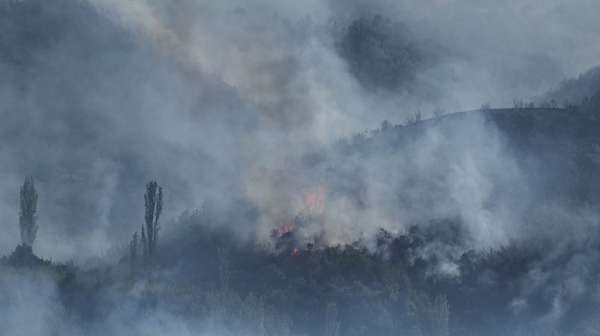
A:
{"x":144,"y":247}
{"x":27,"y":215}
{"x":133,"y":253}
{"x":133,"y":247}
{"x":153,"y":200}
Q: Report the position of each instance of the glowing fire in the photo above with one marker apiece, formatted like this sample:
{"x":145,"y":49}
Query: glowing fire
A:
{"x":315,"y":202}
{"x":283,"y":228}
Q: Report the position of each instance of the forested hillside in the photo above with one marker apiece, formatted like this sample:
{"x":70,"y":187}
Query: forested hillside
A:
{"x":222,"y":168}
{"x":579,"y":93}
{"x":428,"y":280}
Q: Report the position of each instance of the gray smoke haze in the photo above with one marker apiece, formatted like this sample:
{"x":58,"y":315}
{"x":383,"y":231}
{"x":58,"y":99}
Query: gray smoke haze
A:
{"x":31,"y":306}
{"x":215,"y":99}
{"x":244,"y":108}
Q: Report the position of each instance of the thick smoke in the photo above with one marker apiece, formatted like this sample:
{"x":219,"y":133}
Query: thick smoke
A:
{"x":212,"y":99}
{"x":31,"y":306}
{"x":243,"y":108}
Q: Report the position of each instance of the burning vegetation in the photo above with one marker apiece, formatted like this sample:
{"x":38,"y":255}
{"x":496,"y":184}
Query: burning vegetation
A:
{"x":283,"y":229}
{"x":285,"y":236}
{"x":443,"y":188}
{"x":315,"y":203}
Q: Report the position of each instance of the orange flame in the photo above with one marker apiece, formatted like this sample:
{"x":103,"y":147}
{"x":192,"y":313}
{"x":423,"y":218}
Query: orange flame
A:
{"x":283,"y":229}
{"x":315,"y":202}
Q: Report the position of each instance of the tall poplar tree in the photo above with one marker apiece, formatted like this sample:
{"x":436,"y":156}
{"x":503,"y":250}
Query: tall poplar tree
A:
{"x":153,"y":200}
{"x":27,"y":214}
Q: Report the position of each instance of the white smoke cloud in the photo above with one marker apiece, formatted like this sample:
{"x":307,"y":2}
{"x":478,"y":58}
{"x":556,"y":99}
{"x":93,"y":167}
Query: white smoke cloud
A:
{"x":213,"y":98}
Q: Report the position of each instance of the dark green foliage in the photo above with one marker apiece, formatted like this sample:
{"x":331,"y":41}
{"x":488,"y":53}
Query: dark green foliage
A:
{"x":23,"y":256}
{"x":153,"y":201}
{"x":370,"y":294}
{"x":333,"y":291}
{"x":27,"y":215}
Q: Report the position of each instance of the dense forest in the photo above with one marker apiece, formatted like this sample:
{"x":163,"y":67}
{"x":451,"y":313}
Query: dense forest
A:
{"x":178,"y":169}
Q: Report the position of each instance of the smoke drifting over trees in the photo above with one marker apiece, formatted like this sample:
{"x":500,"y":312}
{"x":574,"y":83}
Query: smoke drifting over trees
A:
{"x":290,"y":208}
